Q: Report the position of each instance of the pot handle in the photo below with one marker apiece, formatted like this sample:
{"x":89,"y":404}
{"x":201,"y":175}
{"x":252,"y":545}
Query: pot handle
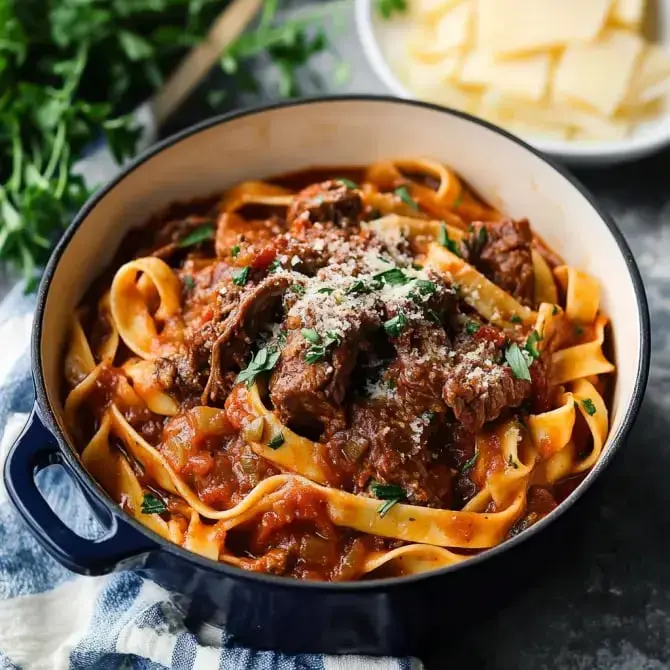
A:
{"x":34,"y":450}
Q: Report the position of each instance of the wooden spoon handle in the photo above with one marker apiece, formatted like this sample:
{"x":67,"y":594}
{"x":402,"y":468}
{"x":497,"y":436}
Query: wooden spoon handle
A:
{"x":199,"y":61}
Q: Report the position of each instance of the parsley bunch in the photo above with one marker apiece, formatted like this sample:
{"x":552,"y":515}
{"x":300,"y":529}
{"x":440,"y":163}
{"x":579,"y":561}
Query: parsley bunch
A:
{"x":73,"y":69}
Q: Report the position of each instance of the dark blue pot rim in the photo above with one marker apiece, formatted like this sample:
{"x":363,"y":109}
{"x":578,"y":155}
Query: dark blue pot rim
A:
{"x":48,"y":417}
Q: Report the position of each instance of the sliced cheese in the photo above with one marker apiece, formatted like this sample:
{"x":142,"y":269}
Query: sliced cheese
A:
{"x":454,"y":29}
{"x":651,"y":79}
{"x":523,"y":77}
{"x":628,"y":12}
{"x":428,"y":77}
{"x":509,"y":27}
{"x":598,"y":75}
{"x":427,"y":9}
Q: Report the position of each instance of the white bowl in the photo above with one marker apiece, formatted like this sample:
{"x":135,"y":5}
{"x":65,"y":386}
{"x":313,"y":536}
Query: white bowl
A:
{"x":384,"y":39}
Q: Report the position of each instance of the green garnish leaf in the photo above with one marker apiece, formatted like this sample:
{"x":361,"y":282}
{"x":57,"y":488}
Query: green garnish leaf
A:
{"x":470,"y":463}
{"x":189,"y":282}
{"x":240,"y":276}
{"x":197,"y":236}
{"x":319,"y":349}
{"x":275,"y":265}
{"x":515,"y":318}
{"x":579,"y":331}
{"x":517,"y":362}
{"x":426,"y":287}
{"x":396,"y":325}
{"x":298,"y":289}
{"x":588,"y":405}
{"x":554,"y":311}
{"x":458,"y":200}
{"x":531,"y":344}
{"x":276,"y":441}
{"x":152,"y":505}
{"x":235,"y":250}
{"x":264,"y":361}
{"x":471,"y":327}
{"x":404,"y":195}
{"x":347,"y":182}
{"x":311,"y":335}
{"x":326,"y":289}
{"x":392,"y":494}
{"x":360,"y":287}
{"x":387,"y":8}
{"x":445,"y":241}
{"x":393,"y":277}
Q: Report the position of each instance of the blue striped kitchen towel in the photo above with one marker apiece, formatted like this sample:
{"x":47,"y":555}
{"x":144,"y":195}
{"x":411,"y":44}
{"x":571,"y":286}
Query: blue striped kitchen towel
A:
{"x":52,"y":618}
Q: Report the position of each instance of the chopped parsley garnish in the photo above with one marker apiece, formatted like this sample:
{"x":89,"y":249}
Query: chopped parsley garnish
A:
{"x":198,"y":235}
{"x":515,"y":318}
{"x":275,"y":265}
{"x":235,"y":250}
{"x":276,"y":441}
{"x":298,"y":289}
{"x":517,"y":362}
{"x":471,"y":327}
{"x":326,"y":289}
{"x":319,"y":347}
{"x":588,"y":405}
{"x":531,"y":344}
{"x":152,"y":505}
{"x":387,"y":8}
{"x":426,"y":287}
{"x":456,"y":288}
{"x":429,"y":416}
{"x":360,"y":287}
{"x":390,"y":493}
{"x":264,"y":361}
{"x":404,"y":195}
{"x":470,"y":463}
{"x":554,"y":311}
{"x":347,"y":182}
{"x":311,"y":335}
{"x":393,"y":277}
{"x":417,"y":266}
{"x":445,"y":241}
{"x":396,"y":325}
{"x":579,"y":331}
{"x":477,"y":242}
{"x":189,"y":282}
{"x":240,"y":276}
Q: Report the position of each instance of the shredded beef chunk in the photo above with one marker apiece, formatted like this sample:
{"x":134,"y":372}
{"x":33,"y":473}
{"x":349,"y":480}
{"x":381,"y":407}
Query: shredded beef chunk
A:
{"x":329,"y":201}
{"x":479,"y":385}
{"x":502,"y":251}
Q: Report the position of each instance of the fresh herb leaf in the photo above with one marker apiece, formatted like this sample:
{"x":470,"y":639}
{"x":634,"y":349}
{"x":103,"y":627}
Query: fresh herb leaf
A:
{"x":515,"y":318}
{"x":579,"y":331}
{"x":458,"y":200}
{"x":531,"y":344}
{"x":554,"y":311}
{"x":319,"y":349}
{"x":517,"y":362}
{"x":393,"y":277}
{"x":276,"y":441}
{"x":426,"y":287}
{"x":235,"y":250}
{"x":197,"y":236}
{"x":387,"y":8}
{"x":470,"y":463}
{"x":326,"y":289}
{"x":311,"y":335}
{"x":152,"y":505}
{"x":588,"y":405}
{"x":445,"y":241}
{"x":360,"y":287}
{"x":298,"y":289}
{"x":275,"y":265}
{"x":264,"y":361}
{"x":189,"y":282}
{"x":387,"y":505}
{"x":391,"y":493}
{"x":347,"y":182}
{"x":240,"y":276}
{"x":471,"y":327}
{"x":396,"y":325}
{"x":404,"y":195}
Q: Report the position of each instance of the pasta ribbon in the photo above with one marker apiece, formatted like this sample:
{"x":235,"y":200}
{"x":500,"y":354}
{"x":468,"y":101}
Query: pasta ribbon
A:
{"x":593,"y":409}
{"x":552,"y":430}
{"x":141,"y":373}
{"x":545,"y":286}
{"x":490,"y":301}
{"x":582,"y":360}
{"x":131,"y":313}
{"x":255,"y":193}
{"x":412,"y":559}
{"x":79,"y":360}
{"x":582,"y":294}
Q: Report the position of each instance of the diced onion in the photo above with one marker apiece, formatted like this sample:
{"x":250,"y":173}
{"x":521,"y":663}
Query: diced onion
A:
{"x":253,"y":431}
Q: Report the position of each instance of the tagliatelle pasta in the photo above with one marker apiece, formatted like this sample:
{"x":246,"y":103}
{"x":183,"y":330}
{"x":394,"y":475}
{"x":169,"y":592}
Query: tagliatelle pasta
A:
{"x":340,"y":374}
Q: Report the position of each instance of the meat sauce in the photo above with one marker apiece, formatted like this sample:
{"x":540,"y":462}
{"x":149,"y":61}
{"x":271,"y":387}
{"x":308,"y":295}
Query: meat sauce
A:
{"x":383,"y":407}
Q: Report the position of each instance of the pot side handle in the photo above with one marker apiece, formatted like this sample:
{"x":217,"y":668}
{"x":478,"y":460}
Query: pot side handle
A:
{"x":34,"y":450}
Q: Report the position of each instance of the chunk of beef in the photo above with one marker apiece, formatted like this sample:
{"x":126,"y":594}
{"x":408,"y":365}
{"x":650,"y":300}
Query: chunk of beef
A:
{"x":479,"y":385}
{"x":308,"y":390}
{"x":329,"y":201}
{"x":310,"y":248}
{"x":501,"y":250}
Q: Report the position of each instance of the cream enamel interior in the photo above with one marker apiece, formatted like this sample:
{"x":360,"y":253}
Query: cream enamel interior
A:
{"x":349,"y":132}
